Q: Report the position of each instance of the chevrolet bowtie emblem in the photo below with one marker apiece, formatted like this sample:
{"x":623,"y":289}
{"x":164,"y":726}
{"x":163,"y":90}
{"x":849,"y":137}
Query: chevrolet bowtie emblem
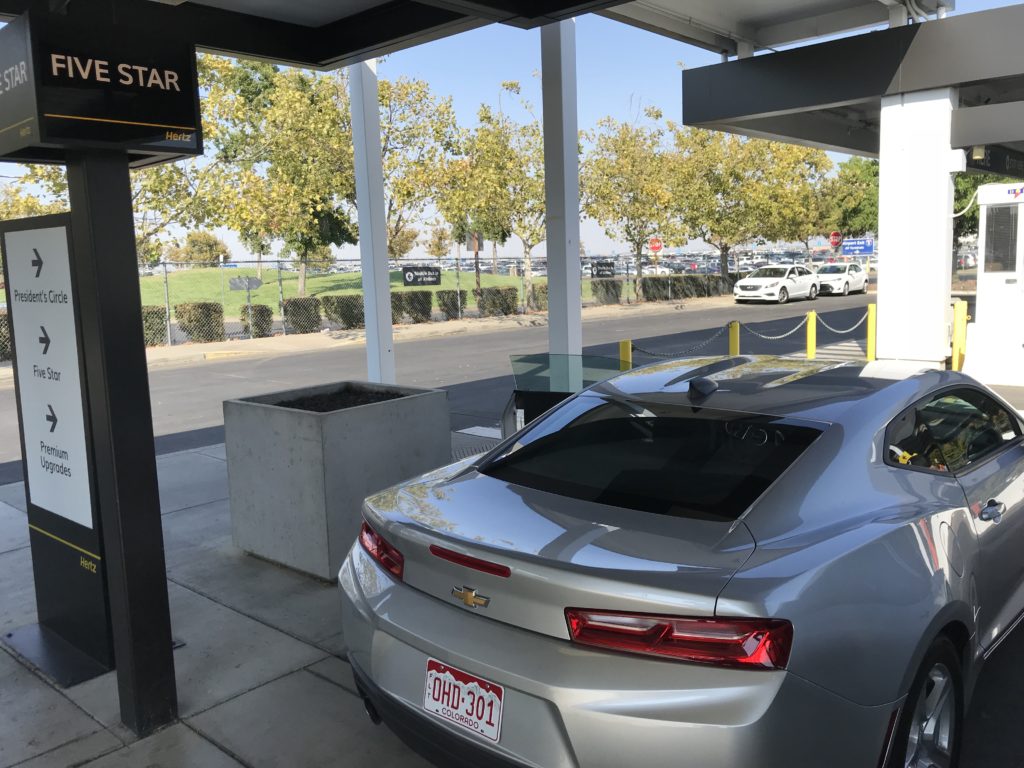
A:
{"x":470,"y":598}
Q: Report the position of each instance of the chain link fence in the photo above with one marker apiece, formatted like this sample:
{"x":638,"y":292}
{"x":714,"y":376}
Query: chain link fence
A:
{"x":185,"y":302}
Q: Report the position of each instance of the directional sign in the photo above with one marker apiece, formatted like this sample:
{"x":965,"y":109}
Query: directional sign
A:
{"x":244,"y":283}
{"x":858,"y":246}
{"x":421,"y":276}
{"x":49,"y":384}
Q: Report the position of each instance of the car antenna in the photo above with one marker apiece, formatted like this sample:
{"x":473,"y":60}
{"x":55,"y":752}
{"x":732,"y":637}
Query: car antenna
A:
{"x":701,"y":387}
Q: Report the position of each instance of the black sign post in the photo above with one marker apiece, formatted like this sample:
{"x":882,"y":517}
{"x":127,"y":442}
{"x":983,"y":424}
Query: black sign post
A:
{"x":421,"y":276}
{"x":99,"y":97}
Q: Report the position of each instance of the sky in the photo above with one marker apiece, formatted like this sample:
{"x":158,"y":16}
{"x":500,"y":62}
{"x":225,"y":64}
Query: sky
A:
{"x":620,"y":71}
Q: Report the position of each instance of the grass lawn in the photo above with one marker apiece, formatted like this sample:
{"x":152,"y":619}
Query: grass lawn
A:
{"x":211,"y":284}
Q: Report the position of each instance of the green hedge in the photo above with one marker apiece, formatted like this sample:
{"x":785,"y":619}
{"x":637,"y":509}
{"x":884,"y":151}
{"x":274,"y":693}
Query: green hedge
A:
{"x":418,"y":305}
{"x":5,"y":337}
{"x":494,"y":302}
{"x":397,"y":308}
{"x":539,"y":297}
{"x":606,"y":290}
{"x":302,"y":314}
{"x":201,"y":321}
{"x":154,"y":324}
{"x":262,"y":321}
{"x":346,"y":310}
{"x":446,"y":302}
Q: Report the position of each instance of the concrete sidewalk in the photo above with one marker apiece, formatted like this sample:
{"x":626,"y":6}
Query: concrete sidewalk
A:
{"x":261,"y":677}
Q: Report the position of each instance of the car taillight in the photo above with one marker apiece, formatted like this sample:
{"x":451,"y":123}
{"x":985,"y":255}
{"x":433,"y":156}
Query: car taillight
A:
{"x":744,"y":643}
{"x":379,"y":549}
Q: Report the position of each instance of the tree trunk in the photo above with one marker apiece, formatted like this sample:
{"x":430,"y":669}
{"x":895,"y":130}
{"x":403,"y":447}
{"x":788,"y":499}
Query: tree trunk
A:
{"x":476,"y":268}
{"x":494,"y":257}
{"x":259,"y":266}
{"x":302,"y":275}
{"x":723,"y":260}
{"x":638,"y":285}
{"x":528,"y":277}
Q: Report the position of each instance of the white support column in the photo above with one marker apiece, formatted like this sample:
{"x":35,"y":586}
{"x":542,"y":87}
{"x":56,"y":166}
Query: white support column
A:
{"x":915,"y":225}
{"x":373,"y":247}
{"x":562,"y":187}
{"x":744,"y":49}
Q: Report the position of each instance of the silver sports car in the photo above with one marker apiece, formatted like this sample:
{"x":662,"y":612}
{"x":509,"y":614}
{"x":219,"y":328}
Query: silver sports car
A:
{"x":712,"y":563}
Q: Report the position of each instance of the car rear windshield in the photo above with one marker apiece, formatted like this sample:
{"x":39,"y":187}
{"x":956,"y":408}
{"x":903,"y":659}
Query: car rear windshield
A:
{"x":675,"y":460}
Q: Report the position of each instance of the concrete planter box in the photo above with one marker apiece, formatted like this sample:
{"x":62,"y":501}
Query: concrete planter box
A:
{"x":297,"y":478}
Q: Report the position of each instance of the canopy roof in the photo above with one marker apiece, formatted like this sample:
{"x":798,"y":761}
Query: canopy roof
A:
{"x":328,"y":33}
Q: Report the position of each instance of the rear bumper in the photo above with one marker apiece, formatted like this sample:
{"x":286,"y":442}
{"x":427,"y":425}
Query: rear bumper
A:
{"x":569,"y":707}
{"x":433,"y":741}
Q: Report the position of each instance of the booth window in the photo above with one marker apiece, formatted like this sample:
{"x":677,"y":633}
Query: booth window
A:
{"x":1001,"y":239}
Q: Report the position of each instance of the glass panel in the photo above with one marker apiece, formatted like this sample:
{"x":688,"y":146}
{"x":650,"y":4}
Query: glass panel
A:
{"x":1001,"y":238}
{"x":550,"y":373}
{"x":951,"y":431}
{"x":671,"y":460}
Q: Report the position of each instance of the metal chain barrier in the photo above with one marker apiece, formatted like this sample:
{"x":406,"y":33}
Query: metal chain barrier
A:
{"x":683,"y":352}
{"x":801,"y":324}
{"x":851,"y":329}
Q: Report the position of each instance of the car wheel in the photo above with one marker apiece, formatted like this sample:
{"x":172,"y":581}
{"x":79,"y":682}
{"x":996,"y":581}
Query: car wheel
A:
{"x":846,"y":289}
{"x":813,"y":293}
{"x":928,"y":733}
{"x":783,"y":295}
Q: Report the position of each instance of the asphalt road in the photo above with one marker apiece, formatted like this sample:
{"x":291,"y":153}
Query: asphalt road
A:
{"x":473,"y":367}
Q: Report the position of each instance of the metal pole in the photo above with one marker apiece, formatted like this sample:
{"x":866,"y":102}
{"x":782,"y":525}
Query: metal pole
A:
{"x":248,"y":304}
{"x":562,"y":189}
{"x":369,"y":173}
{"x":280,"y":299}
{"x":458,"y":279}
{"x":812,"y":335}
{"x":167,"y":305}
{"x":734,"y":338}
{"x":106,"y":274}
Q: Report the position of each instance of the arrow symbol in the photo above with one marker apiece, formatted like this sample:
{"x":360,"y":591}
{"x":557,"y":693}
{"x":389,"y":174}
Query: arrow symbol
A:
{"x":44,"y":339}
{"x":37,"y":262}
{"x":52,"y":418}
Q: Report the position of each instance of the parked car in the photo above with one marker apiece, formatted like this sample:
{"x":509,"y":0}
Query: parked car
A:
{"x":842,"y":279}
{"x":779,"y":284}
{"x":662,"y":566}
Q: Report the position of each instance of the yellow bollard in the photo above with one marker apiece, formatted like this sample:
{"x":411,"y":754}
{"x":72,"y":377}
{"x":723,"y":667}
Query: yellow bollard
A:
{"x":812,"y":334}
{"x":734,"y":337}
{"x":959,"y":334}
{"x":625,"y":355}
{"x":872,"y":324}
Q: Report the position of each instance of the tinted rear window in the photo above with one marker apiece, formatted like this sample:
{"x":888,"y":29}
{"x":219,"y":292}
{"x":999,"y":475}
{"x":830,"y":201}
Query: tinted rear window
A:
{"x":666,"y":459}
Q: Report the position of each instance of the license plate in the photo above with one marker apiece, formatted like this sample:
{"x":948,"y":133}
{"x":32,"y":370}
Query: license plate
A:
{"x":464,"y":699}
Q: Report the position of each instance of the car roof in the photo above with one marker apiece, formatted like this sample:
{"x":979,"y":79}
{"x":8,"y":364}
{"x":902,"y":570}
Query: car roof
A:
{"x":826,"y":391}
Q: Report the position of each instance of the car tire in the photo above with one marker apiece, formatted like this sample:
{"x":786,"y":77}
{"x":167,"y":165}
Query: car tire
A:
{"x":812,"y":294}
{"x":940,"y":678}
{"x":846,"y":289}
{"x":783,"y":295}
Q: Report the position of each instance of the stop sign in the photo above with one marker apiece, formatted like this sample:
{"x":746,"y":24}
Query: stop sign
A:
{"x":835,"y":239}
{"x":655,"y":244}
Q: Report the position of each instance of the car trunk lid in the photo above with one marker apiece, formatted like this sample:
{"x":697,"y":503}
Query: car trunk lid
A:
{"x":560,"y":552}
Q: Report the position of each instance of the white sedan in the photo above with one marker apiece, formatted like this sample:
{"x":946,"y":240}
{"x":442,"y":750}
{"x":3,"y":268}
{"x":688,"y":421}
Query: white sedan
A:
{"x":842,"y":279}
{"x":779,"y":283}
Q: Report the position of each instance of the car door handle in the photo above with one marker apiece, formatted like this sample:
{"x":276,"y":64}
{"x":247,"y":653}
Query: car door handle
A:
{"x":993,"y":511}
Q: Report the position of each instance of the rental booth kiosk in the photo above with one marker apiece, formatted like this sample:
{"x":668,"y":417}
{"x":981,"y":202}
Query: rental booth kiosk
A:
{"x":995,"y":338}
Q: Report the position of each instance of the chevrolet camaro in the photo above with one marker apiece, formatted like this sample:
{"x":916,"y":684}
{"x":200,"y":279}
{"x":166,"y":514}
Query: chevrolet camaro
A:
{"x":710,"y":562}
